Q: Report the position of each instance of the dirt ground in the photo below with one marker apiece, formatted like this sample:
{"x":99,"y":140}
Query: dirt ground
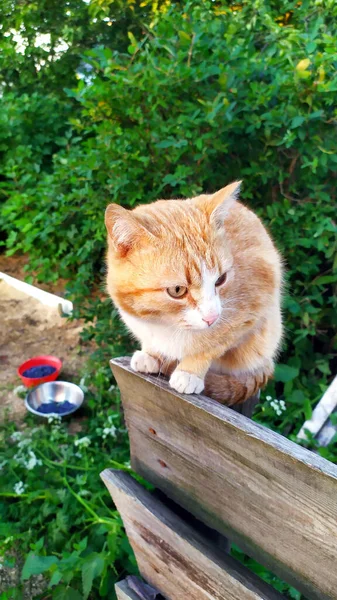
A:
{"x":29,"y":328}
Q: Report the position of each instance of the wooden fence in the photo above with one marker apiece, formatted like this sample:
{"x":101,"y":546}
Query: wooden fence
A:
{"x":275,"y":499}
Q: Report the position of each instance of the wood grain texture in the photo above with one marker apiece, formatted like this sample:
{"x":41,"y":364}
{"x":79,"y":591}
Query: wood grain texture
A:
{"x":132,"y":588}
{"x":172,"y":556}
{"x":276,"y":500}
{"x":123,"y":592}
{"x":321,"y":414}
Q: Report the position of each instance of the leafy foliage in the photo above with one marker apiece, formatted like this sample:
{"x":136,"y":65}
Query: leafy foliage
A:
{"x":166,"y":101}
{"x":203,"y":96}
{"x":59,"y":501}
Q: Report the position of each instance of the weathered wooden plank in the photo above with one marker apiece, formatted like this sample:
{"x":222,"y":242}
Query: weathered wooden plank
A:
{"x":320,"y":418}
{"x":172,"y":556}
{"x":123,"y":592}
{"x":132,"y":588}
{"x":276,"y":500}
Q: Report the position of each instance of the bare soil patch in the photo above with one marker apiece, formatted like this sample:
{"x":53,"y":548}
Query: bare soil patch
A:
{"x":29,"y":328}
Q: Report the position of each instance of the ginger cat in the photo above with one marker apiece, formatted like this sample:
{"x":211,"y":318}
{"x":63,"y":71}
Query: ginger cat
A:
{"x":198,"y":283}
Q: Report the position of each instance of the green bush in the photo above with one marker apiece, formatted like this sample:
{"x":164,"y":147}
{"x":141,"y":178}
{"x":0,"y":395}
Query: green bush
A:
{"x":184,"y":99}
{"x":206,"y":95}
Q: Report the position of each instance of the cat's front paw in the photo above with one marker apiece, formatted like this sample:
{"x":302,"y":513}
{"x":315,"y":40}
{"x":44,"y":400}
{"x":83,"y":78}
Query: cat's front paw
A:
{"x":144,"y":363}
{"x":186,"y":383}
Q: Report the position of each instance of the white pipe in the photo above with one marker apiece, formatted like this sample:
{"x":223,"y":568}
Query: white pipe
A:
{"x":321,"y":413}
{"x":40,"y":295}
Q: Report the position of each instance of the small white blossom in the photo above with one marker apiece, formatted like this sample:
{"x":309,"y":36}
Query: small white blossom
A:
{"x":279,"y":406}
{"x":19,"y":488}
{"x":20,"y":389}
{"x":78,"y":454}
{"x":16,"y":436}
{"x":24,"y":443}
{"x":34,"y":430}
{"x":55,"y":419}
{"x":268,"y":398}
{"x":32,"y":461}
{"x":109,"y":431}
{"x":83,"y":442}
{"x":111,"y":388}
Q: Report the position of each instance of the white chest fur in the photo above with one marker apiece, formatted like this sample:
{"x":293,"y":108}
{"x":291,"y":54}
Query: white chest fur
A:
{"x":161,"y":339}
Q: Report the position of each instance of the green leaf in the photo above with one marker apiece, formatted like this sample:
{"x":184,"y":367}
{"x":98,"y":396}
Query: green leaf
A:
{"x":39,"y":545}
{"x":35,"y":565}
{"x":296,"y":397}
{"x":311,"y":47}
{"x":285,"y":373}
{"x":92,"y":567}
{"x":307,"y":409}
{"x":333,"y":418}
{"x":325,"y":279}
{"x":297,"y":121}
{"x":55,"y":578}
{"x":66,"y":593}
{"x":11,"y":594}
{"x":7,"y":529}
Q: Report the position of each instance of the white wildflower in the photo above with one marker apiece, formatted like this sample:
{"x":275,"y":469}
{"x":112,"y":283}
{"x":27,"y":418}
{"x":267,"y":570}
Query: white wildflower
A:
{"x":24,"y":443}
{"x":19,"y":488}
{"x":34,"y":430}
{"x":78,"y":454}
{"x":279,"y":406}
{"x":20,"y":389}
{"x":109,"y":431}
{"x":56,"y":419}
{"x":16,"y":436}
{"x":83,"y":442}
{"x":32,"y":461}
{"x":111,"y":388}
{"x":268,"y":398}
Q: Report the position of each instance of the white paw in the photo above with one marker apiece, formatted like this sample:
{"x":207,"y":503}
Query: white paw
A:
{"x":144,"y":363}
{"x":186,"y":383}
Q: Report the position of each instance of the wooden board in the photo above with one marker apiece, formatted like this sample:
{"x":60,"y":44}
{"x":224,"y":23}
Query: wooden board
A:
{"x":123,"y":592}
{"x":172,"y":556}
{"x":132,"y":588}
{"x":319,"y":425}
{"x":276,"y":500}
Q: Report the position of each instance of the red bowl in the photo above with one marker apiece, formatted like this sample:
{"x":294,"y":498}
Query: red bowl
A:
{"x":39,"y":361}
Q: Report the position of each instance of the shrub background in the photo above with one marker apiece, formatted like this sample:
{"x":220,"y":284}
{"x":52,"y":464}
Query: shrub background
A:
{"x":177,"y":100}
{"x":158,"y":99}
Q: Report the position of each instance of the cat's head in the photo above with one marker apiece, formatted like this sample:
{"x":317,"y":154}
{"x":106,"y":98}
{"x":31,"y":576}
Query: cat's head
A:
{"x":169,"y":262}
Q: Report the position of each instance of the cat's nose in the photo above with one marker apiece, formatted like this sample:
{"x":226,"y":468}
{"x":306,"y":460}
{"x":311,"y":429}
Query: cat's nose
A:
{"x":210,"y":319}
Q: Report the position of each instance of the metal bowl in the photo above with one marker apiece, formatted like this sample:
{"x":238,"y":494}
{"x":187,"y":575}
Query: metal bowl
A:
{"x":54,"y":391}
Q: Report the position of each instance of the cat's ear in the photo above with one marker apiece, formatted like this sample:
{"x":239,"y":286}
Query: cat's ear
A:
{"x":123,"y":228}
{"x":220,"y":203}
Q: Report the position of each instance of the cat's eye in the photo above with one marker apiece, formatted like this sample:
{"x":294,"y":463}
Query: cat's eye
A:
{"x":221,"y":280}
{"x":177,"y":291}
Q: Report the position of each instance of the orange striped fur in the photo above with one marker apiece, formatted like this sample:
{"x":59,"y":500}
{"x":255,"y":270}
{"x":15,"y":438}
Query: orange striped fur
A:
{"x":221,"y":334}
